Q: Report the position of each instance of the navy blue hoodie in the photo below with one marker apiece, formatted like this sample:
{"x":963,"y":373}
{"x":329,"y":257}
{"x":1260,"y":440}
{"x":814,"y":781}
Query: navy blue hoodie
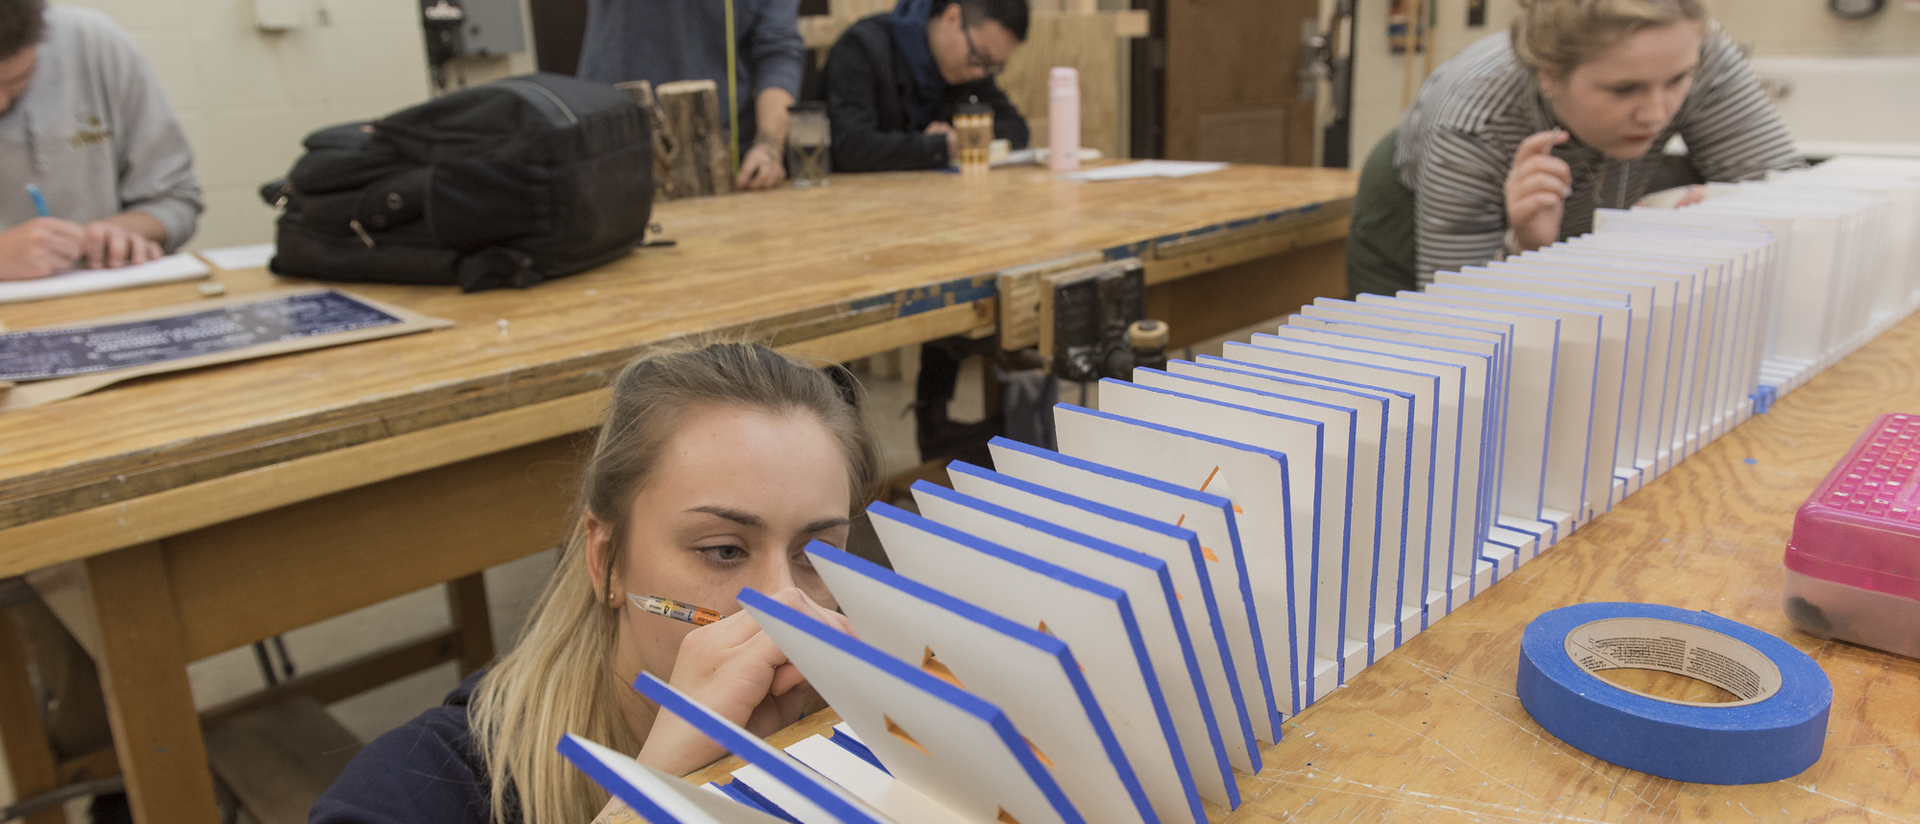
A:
{"x":423,"y":772}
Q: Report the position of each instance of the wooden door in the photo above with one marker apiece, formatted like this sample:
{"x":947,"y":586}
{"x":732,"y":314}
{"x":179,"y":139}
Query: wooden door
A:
{"x":1231,"y":88}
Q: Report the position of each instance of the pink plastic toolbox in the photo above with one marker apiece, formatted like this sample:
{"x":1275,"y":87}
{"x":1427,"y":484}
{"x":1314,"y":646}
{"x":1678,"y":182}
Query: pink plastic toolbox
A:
{"x":1853,"y":565}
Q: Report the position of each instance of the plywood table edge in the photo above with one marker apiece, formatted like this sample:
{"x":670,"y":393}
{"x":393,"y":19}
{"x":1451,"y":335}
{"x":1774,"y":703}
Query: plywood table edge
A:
{"x":77,"y":488}
{"x":118,"y":480}
{"x":46,"y":542}
{"x":51,"y":541}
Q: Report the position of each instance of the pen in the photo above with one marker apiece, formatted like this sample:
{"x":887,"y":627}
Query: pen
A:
{"x":39,"y":200}
{"x":677,"y":610}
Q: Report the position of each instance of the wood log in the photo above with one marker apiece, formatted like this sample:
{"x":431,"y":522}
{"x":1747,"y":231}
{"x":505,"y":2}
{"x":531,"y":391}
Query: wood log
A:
{"x":701,"y":165}
{"x":664,"y":144}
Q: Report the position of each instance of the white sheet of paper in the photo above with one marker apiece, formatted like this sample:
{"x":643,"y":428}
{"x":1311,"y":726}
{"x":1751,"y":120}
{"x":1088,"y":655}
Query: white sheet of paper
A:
{"x":1029,"y":675}
{"x":1149,"y":590}
{"x":1481,"y":356}
{"x":1023,"y":157}
{"x":863,"y":780}
{"x":808,"y":796}
{"x":1211,"y":519}
{"x":1321,"y":502}
{"x":1256,"y":481}
{"x":1640,"y":410}
{"x":956,"y":748}
{"x":1148,"y":168}
{"x":1463,"y":418}
{"x":1745,"y":264}
{"x":1351,"y":463}
{"x":1586,"y":379}
{"x":81,"y":281}
{"x":1435,"y":474}
{"x":1194,"y":602}
{"x":1380,"y":476}
{"x":239,"y":257}
{"x":1704,"y":307}
{"x":657,"y":796}
{"x":1676,"y":290}
{"x":1516,"y":478}
{"x":1094,"y":618}
{"x":1729,"y":299}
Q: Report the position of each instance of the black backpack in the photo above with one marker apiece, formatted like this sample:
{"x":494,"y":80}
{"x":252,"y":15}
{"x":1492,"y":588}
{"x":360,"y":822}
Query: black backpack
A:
{"x":510,"y":183}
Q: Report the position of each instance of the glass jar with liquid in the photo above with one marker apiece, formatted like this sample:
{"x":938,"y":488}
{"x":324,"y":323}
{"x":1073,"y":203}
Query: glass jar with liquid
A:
{"x":809,"y":139}
{"x":973,"y":126}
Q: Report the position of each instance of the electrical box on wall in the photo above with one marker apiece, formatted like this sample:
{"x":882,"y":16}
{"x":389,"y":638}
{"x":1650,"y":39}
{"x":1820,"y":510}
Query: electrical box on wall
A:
{"x":492,"y":28}
{"x":278,"y":15}
{"x":472,"y":28}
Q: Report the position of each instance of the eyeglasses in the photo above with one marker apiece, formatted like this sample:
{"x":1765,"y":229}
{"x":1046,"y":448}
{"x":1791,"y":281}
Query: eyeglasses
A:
{"x":975,"y":57}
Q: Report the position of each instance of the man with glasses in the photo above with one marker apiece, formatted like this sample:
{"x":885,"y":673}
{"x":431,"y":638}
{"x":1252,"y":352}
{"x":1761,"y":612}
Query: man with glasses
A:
{"x":893,"y":80}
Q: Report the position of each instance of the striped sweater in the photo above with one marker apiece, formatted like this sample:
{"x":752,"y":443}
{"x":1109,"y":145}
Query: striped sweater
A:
{"x":1458,"y":140}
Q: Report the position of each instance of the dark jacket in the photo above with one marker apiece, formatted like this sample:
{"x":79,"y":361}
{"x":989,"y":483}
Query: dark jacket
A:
{"x":869,"y":93}
{"x":422,"y":771}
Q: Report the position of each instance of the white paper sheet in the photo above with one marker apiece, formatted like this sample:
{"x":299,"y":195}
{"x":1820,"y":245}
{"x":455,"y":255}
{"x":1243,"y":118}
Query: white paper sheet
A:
{"x":1148,"y":168}
{"x":239,"y":257}
{"x":81,"y":281}
{"x":1029,"y":157}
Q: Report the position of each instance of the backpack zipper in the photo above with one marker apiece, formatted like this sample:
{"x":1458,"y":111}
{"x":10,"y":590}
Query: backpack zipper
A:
{"x":564,"y":108}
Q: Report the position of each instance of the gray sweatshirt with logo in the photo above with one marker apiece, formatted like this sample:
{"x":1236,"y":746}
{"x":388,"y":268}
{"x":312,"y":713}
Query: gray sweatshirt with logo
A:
{"x":95,"y":133}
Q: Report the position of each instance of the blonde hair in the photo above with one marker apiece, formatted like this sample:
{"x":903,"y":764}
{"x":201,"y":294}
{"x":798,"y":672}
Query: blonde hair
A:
{"x":1551,"y":37}
{"x":560,"y":677}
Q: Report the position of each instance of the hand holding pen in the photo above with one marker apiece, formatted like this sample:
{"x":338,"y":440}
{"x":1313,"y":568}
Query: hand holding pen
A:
{"x":731,"y":666}
{"x":47,"y":245}
{"x":42,"y":246}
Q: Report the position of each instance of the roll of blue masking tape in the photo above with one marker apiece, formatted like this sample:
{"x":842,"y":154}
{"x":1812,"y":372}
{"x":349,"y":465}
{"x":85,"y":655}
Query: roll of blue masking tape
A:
{"x":1775,"y":730}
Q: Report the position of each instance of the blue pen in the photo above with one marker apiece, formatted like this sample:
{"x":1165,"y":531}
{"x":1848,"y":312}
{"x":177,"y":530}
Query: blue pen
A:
{"x":39,"y":200}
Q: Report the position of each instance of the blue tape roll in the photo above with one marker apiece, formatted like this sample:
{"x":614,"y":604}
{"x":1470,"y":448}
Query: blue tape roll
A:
{"x":1776,"y":731}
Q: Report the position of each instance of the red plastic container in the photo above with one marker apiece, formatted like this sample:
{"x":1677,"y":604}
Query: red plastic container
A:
{"x":1853,"y":565}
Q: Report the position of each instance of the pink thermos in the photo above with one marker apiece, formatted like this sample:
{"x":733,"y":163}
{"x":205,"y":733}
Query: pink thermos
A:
{"x":1063,"y":119}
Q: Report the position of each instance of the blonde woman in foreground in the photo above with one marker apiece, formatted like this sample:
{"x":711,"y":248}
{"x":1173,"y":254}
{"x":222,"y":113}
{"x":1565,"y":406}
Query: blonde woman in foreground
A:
{"x":714,"y":468}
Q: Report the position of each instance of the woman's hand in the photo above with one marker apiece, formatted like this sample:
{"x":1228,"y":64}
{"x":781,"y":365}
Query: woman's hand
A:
{"x":734,"y":669}
{"x":1537,"y":188}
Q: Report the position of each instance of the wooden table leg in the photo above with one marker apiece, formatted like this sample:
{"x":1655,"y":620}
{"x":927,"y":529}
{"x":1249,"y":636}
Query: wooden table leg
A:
{"x":472,"y":623}
{"x":143,"y":672}
{"x":23,"y":733}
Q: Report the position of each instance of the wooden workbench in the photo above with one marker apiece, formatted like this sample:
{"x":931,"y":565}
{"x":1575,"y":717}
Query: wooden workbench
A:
{"x":174,"y":517}
{"x":1434,"y":732}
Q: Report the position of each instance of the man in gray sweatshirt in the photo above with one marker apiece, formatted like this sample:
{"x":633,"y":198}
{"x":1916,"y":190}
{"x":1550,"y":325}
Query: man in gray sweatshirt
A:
{"x":83,"y":119}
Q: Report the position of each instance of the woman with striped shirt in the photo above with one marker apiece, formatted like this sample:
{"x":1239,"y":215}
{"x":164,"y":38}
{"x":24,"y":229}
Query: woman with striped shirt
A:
{"x":1511,"y":145}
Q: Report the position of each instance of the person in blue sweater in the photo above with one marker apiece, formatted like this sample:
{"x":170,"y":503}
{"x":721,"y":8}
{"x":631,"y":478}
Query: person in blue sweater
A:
{"x":713,"y":470}
{"x":661,"y":41}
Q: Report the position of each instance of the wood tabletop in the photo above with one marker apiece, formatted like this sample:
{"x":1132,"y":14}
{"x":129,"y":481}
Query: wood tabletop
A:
{"x":1434,"y":732}
{"x":742,"y":264}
